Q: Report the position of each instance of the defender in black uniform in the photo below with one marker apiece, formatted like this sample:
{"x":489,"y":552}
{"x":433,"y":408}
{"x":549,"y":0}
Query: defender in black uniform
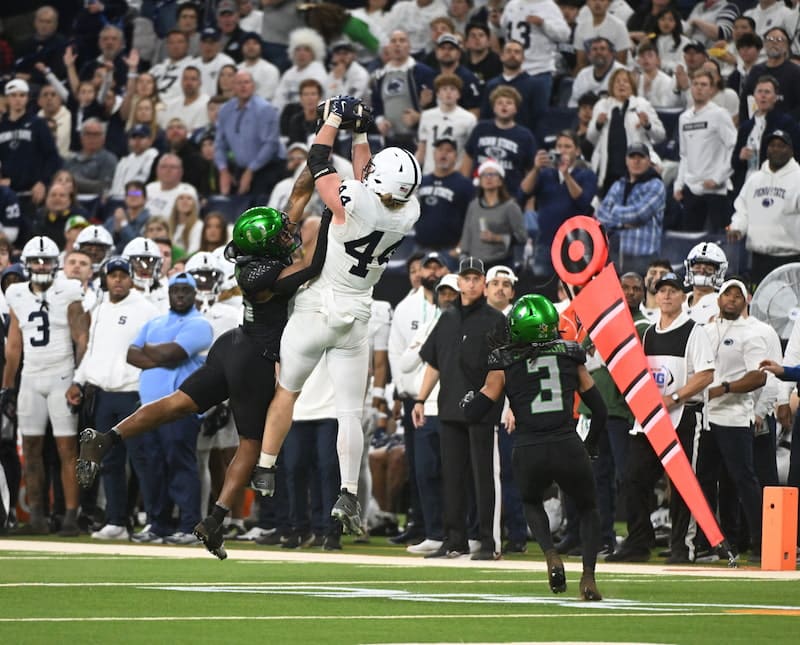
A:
{"x":240,"y":365}
{"x":540,"y":374}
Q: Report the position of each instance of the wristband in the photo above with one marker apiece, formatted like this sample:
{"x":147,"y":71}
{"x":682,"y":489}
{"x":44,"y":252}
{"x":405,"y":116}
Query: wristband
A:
{"x":360,"y":137}
{"x":333,"y":120}
{"x":132,"y":75}
{"x":726,"y":386}
{"x":419,"y":401}
{"x":378,"y":392}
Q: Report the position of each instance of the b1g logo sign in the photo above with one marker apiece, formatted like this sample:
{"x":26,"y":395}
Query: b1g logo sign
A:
{"x":663,"y":377}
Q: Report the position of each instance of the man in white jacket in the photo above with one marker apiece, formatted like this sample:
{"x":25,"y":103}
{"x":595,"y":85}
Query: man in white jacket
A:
{"x":106,"y":382}
{"x":427,"y":449}
{"x":767,"y":210}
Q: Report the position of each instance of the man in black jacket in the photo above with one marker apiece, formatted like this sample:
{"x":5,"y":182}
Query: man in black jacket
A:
{"x":457,"y":353}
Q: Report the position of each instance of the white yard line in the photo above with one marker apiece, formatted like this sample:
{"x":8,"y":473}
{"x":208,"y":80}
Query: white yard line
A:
{"x":559,"y":616}
{"x":304,"y":555}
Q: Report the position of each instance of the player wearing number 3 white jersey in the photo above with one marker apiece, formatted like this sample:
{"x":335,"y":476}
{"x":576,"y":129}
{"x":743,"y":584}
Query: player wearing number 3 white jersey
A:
{"x":371,"y":215}
{"x":46,"y":319}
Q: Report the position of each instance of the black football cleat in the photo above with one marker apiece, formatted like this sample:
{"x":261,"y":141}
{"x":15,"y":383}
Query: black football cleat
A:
{"x":589,"y":587}
{"x":212,"y":535}
{"x":93,"y":447}
{"x":263,"y":480}
{"x":347,"y":511}
{"x":555,"y":572}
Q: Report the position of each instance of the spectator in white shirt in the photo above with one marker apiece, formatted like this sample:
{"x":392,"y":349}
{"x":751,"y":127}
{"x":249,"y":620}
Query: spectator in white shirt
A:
{"x":161,"y":193}
{"x":601,"y":23}
{"x":211,"y":59}
{"x":190,"y":107}
{"x":250,"y":19}
{"x":138,"y":164}
{"x":168,"y":73}
{"x":347,"y":75}
{"x":595,"y":77}
{"x":654,"y":85}
{"x":307,"y":51}
{"x":265,"y":74}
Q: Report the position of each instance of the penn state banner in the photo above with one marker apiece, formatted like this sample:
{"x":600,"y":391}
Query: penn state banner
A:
{"x":579,"y":254}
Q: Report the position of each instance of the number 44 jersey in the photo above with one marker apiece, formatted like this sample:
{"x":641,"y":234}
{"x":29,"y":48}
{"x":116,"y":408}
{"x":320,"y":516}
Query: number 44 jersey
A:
{"x":358,"y":252}
{"x":43,"y":320}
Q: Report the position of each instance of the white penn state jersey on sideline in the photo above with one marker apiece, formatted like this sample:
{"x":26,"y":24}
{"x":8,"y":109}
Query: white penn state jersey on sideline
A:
{"x":43,"y":320}
{"x":159,"y":297}
{"x":223,"y":317}
{"x":358,"y":251}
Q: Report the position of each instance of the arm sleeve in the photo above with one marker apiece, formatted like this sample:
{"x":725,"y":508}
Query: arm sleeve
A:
{"x":195,"y":336}
{"x":291,"y":283}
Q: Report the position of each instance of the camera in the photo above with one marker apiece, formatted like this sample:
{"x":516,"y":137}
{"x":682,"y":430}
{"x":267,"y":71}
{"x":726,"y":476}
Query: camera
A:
{"x":555,"y":157}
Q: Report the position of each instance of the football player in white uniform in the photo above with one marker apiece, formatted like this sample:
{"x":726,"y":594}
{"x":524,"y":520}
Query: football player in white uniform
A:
{"x":48,"y":324}
{"x":145,"y":258}
{"x":97,"y":243}
{"x":371,"y":215}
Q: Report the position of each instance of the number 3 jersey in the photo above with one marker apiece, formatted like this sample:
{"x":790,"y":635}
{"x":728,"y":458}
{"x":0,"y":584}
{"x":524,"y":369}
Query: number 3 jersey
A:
{"x":541,"y":385}
{"x":358,"y":252}
{"x":43,"y":320}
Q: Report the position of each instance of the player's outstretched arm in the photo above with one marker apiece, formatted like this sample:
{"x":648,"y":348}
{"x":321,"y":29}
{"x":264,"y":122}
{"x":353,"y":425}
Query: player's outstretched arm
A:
{"x":302,"y":191}
{"x":326,"y":179}
{"x":292,"y":277}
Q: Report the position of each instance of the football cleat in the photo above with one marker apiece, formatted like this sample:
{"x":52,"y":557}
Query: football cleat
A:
{"x":263,"y":480}
{"x":93,"y":447}
{"x":589,"y":587}
{"x":555,"y":572}
{"x":211,"y":534}
{"x":347,"y":511}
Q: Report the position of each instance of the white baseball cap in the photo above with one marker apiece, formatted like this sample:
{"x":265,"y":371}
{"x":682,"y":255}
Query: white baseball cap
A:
{"x":17,"y":85}
{"x":501,"y":271}
{"x":449,"y":280}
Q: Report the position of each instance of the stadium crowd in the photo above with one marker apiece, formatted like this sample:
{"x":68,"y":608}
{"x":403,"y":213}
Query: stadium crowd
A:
{"x":134,"y":133}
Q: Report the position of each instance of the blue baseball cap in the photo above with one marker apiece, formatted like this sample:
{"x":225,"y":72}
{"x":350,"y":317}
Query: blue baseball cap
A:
{"x":183,"y":278}
{"x":117,"y":263}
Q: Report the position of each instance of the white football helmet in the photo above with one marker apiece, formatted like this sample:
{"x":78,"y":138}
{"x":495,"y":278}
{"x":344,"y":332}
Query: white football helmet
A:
{"x":97,"y":243}
{"x":205,"y":269}
{"x":40,"y":259}
{"x":393,"y":171}
{"x":145,"y":258}
{"x":706,"y":253}
{"x":228,"y":269}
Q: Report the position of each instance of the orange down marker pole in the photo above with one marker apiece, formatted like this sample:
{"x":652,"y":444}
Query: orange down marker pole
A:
{"x":579,"y":255}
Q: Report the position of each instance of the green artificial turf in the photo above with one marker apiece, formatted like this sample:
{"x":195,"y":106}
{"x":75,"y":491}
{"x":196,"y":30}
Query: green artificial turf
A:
{"x":143,"y":599}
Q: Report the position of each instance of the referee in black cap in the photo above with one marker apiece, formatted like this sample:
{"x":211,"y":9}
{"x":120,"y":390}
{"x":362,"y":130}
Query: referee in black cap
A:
{"x":457,"y":353}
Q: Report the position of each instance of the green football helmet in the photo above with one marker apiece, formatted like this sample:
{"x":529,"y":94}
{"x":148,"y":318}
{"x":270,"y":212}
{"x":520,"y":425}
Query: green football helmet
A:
{"x":533,"y":319}
{"x":264,"y":231}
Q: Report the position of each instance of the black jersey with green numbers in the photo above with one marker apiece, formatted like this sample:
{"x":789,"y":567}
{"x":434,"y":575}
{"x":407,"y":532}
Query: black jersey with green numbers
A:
{"x":541,"y":388}
{"x":267,"y":318}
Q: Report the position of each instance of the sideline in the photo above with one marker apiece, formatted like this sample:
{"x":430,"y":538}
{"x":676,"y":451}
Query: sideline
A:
{"x":305,"y":555}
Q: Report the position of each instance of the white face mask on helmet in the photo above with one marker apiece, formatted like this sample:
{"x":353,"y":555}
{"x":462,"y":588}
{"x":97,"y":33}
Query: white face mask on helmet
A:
{"x":40,"y":259}
{"x":706,"y":253}
{"x":97,"y":243}
{"x":145,"y":258}
{"x":228,"y":269}
{"x":393,"y":171}
{"x":204,"y":268}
